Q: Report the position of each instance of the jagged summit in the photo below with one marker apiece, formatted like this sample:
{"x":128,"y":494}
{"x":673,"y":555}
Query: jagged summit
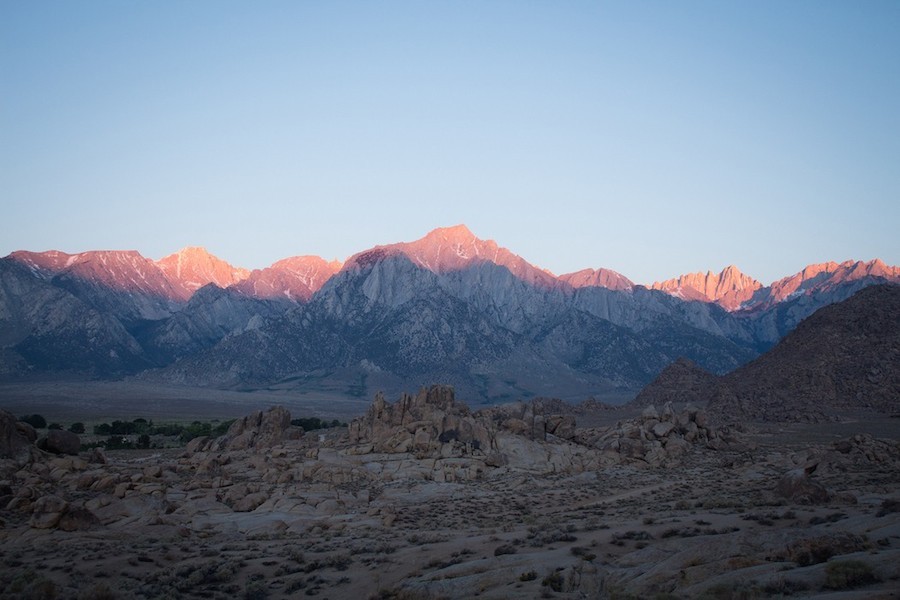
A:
{"x":730,"y":288}
{"x":829,"y":274}
{"x":194,"y":267}
{"x":733,"y":290}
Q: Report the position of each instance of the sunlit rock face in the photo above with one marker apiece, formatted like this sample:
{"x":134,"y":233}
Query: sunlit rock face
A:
{"x":295,"y":279}
{"x":192,"y":268}
{"x":733,"y":290}
{"x":729,"y":289}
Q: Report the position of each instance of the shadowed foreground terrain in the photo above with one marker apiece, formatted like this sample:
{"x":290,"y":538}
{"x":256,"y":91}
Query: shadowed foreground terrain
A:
{"x":422,"y":498}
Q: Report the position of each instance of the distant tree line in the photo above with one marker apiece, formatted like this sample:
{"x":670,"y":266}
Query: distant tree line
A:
{"x":120,"y":434}
{"x":310,"y":423}
{"x":39,"y":422}
{"x":144,"y":427}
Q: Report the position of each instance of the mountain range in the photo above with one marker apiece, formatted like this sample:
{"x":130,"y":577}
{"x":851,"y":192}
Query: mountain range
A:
{"x":449,"y":308}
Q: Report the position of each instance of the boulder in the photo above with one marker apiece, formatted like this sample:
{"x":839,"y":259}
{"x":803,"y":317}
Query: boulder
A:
{"x":562,"y":426}
{"x":60,"y":441}
{"x":797,"y":486}
{"x":98,"y":457}
{"x":668,"y":412}
{"x":14,"y":443}
{"x":650,"y":412}
{"x":663,"y":429}
{"x":250,"y":502}
{"x":47,"y":511}
{"x":78,"y":519}
{"x":27,"y":430}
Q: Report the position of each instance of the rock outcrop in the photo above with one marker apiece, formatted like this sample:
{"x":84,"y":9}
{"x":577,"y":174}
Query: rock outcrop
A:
{"x":423,"y":423}
{"x":262,"y":429}
{"x":660,"y":438}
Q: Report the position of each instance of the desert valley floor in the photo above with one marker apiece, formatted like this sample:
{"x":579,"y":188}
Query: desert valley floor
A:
{"x":410,"y":502}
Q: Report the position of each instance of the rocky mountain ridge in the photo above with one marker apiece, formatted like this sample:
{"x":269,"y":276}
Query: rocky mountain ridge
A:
{"x":733,"y":290}
{"x":444,"y":250}
{"x":448,"y":307}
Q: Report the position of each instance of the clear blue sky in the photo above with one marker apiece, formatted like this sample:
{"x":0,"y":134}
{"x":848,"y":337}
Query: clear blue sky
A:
{"x":653,"y":138}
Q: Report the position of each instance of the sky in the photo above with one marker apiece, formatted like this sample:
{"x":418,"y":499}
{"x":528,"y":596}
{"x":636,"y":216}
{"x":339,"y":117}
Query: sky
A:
{"x":652,"y":138}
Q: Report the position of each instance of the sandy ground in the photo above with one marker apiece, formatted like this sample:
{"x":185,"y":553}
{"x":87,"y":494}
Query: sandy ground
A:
{"x":712,"y":527}
{"x":84,"y":401}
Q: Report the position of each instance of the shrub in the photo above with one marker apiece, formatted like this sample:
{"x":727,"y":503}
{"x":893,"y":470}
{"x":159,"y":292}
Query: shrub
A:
{"x":54,"y":426}
{"x":169,"y":429}
{"x":554,"y":581}
{"x":784,"y":587}
{"x":222,"y":428}
{"x":99,"y":591}
{"x":811,"y":551}
{"x":847,"y":574}
{"x":36,"y":421}
{"x":194,"y":430}
{"x":401,"y":594}
{"x":256,"y":590}
{"x":890,"y":505}
{"x":583,"y":553}
{"x":117,"y":442}
{"x":122,"y":428}
{"x":311,"y":423}
{"x":77,"y":427}
{"x":505,"y":549}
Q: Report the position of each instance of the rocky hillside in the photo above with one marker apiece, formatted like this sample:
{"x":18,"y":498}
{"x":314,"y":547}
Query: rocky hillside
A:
{"x":843,"y":357}
{"x":681,"y":382}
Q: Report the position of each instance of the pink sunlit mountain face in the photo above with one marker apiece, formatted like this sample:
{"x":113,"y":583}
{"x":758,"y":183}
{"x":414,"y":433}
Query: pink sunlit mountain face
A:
{"x":449,"y":249}
{"x":296,"y":278}
{"x":733,"y":290}
{"x":826,"y":275}
{"x":119,"y":270}
{"x":729,"y":289}
{"x":604,"y":278}
{"x":192,"y":268}
{"x":178,"y":276}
